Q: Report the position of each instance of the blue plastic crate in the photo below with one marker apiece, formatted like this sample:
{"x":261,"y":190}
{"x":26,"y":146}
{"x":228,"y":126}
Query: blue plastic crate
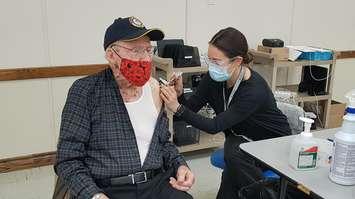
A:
{"x":316,"y":56}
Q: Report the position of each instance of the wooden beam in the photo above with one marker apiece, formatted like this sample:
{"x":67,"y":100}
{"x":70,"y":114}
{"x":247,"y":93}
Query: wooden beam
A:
{"x":63,"y":71}
{"x":49,"y":72}
{"x":346,"y":54}
{"x":27,"y":162}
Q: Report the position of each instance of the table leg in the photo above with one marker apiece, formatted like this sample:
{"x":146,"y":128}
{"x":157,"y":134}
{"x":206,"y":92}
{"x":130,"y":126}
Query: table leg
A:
{"x":283,"y":188}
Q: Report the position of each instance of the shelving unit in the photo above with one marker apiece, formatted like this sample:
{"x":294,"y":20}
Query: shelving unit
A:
{"x":269,"y":60}
{"x":303,"y":97}
{"x":165,"y":65}
{"x":206,"y":141}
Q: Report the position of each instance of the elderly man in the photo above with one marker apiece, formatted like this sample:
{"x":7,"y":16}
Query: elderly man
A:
{"x":114,"y":138}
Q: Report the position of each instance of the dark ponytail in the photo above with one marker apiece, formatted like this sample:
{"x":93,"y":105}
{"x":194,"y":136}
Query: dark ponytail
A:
{"x":232,"y":43}
{"x":248,"y":58}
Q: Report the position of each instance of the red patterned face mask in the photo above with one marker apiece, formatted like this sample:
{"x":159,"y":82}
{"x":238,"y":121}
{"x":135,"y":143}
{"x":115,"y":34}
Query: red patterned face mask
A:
{"x":136,"y":72}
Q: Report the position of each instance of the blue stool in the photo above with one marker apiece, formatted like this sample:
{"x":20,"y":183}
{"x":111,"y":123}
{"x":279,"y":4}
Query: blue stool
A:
{"x":217,"y":160}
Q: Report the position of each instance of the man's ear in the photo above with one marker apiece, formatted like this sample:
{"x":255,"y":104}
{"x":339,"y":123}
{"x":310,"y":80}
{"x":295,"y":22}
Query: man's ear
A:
{"x":109,"y":55}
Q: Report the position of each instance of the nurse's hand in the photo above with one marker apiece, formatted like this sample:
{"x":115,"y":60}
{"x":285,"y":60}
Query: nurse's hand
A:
{"x":169,"y":96}
{"x":176,"y":81}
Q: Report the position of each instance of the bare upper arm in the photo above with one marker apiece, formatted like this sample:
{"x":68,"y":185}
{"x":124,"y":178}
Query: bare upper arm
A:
{"x":154,"y":84}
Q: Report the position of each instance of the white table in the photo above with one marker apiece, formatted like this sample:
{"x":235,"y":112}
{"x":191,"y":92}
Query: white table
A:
{"x":275,"y":153}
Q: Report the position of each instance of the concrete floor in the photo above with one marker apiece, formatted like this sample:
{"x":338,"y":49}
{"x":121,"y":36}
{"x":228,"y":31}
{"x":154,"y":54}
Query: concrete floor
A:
{"x":207,"y":176}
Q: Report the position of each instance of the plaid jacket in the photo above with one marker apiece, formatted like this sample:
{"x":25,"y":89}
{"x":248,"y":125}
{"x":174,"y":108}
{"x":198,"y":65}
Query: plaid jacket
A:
{"x":97,"y":139}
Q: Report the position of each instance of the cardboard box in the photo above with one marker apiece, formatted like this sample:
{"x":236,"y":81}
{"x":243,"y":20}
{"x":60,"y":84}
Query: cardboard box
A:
{"x":336,"y":114}
{"x":280,"y":53}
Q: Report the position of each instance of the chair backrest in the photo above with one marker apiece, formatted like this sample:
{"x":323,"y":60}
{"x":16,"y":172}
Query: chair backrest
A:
{"x":292,"y":112}
{"x":61,"y":191}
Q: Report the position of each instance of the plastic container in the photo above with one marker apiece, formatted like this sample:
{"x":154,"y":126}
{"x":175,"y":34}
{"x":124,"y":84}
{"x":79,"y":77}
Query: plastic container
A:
{"x":342,"y":169}
{"x":185,"y":134}
{"x":317,"y":55}
{"x":304,"y":149}
{"x":309,"y":53}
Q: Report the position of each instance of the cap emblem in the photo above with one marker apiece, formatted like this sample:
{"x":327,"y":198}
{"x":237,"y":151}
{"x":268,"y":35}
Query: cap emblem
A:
{"x":136,"y":22}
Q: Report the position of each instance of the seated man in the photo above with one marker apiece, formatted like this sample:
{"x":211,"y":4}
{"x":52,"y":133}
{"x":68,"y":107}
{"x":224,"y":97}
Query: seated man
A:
{"x":114,"y":138}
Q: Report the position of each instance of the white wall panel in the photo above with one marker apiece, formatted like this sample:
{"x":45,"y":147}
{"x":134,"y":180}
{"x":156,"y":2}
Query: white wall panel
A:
{"x":344,"y":79}
{"x":22,"y":35}
{"x":25,"y":118}
{"x":28,"y":184}
{"x":325,"y":23}
{"x":255,"y":19}
{"x":76,"y":28}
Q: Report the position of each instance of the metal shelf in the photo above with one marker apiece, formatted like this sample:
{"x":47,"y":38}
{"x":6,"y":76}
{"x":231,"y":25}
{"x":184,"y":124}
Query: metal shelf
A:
{"x":195,"y":69}
{"x":206,"y":141}
{"x":304,"y":97}
{"x":281,"y":64}
{"x":269,"y":60}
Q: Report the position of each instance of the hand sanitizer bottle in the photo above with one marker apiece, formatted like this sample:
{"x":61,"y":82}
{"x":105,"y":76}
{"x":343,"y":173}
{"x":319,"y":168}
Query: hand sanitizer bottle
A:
{"x":304,"y":149}
{"x":342,"y":168}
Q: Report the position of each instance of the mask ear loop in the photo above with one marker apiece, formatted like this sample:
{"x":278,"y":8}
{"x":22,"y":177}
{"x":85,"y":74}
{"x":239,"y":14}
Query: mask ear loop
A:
{"x":117,"y":55}
{"x":235,"y":58}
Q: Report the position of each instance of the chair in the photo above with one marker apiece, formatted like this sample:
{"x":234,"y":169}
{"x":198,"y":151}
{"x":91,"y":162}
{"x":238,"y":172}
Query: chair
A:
{"x":61,"y":190}
{"x":217,"y":160}
{"x":292,"y":112}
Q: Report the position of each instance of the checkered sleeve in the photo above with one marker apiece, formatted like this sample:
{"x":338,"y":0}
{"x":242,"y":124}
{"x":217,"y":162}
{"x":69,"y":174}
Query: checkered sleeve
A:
{"x":74,"y":135}
{"x":171,"y":155}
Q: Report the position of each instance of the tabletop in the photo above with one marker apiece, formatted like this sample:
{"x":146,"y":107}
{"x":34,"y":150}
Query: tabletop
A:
{"x":275,"y":153}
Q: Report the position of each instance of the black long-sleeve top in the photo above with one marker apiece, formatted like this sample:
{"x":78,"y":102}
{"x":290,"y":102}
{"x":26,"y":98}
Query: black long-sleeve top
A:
{"x":252,"y":111}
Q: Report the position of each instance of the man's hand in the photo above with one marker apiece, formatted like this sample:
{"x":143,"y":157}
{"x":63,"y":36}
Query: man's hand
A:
{"x":184,"y":179}
{"x":104,"y":197}
{"x":100,"y":196}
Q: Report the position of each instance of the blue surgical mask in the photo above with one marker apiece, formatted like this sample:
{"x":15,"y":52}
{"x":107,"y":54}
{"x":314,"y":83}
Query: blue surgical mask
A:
{"x":218,"y":73}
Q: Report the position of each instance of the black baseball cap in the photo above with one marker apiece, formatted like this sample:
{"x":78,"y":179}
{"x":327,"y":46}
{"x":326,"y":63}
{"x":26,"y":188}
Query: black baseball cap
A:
{"x":129,"y":28}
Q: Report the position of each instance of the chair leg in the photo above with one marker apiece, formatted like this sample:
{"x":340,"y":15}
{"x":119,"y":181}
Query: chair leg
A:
{"x":283,"y":188}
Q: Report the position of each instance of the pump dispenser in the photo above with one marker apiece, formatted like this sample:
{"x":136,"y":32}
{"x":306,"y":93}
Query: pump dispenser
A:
{"x":307,"y":126}
{"x":304,"y":149}
{"x":342,"y":168}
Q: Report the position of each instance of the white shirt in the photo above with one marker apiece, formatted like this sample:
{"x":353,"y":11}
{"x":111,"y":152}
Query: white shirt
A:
{"x":143,"y":115}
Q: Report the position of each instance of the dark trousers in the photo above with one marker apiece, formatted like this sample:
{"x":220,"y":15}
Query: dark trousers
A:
{"x":156,"y":188}
{"x":240,"y":169}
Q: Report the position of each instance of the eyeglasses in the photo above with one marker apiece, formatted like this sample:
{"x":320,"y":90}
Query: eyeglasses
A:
{"x":138,"y":51}
{"x":221,"y":63}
